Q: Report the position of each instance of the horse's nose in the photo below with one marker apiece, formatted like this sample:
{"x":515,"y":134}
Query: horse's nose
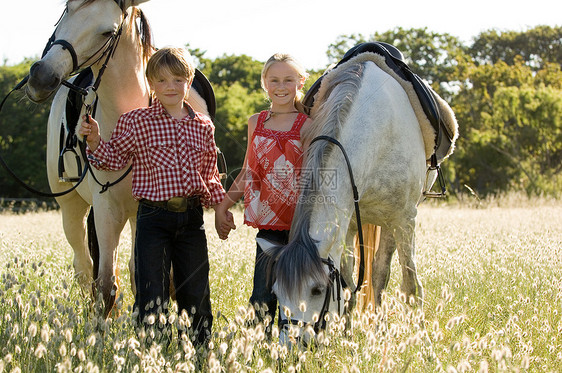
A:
{"x":42,"y":77}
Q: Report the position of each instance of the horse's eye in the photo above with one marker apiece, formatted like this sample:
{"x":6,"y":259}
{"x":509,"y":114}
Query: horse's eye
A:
{"x":316,"y":291}
{"x":107,"y":34}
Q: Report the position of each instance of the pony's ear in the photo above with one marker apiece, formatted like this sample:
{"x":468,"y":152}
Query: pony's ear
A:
{"x":266,"y":245}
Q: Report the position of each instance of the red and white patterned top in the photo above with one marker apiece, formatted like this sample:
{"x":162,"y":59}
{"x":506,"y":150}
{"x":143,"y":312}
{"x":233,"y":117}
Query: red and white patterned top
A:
{"x":170,"y":157}
{"x":272,"y":176}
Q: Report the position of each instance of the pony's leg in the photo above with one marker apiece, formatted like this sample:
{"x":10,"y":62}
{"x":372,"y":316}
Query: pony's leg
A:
{"x":74,"y":210}
{"x":347,"y":266}
{"x":381,"y":264}
{"x":411,"y":286}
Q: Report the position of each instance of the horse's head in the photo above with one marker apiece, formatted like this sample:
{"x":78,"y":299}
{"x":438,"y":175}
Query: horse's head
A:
{"x":85,"y":32}
{"x":308,"y":286}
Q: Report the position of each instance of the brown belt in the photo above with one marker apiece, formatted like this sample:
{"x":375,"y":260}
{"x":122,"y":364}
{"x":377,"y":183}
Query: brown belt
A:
{"x":175,"y":204}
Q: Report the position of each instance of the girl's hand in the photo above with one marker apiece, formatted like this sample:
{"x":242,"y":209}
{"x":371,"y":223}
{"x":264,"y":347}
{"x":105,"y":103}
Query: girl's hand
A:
{"x":90,"y":130}
{"x":224,"y":223}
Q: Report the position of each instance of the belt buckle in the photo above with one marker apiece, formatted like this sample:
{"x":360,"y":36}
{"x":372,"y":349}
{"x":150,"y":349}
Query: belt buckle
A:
{"x":177,"y":204}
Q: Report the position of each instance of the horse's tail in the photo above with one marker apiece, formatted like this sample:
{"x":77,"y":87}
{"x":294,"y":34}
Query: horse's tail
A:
{"x":93,"y":244}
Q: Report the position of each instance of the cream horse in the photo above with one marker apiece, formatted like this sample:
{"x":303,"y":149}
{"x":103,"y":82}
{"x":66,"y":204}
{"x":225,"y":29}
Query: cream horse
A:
{"x":89,"y":27}
{"x":370,"y":114}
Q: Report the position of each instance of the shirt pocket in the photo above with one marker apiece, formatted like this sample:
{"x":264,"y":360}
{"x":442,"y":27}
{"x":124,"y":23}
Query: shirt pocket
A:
{"x":162,"y":153}
{"x":197,"y":150}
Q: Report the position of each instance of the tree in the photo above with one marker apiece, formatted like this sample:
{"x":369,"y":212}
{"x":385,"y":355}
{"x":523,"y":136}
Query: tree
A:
{"x":537,"y":46}
{"x":431,"y":55}
{"x":23,"y":133}
{"x":511,"y":117}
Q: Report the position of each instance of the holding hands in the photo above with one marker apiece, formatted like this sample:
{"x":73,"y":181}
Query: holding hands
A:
{"x":90,"y":130}
{"x":224,"y":222}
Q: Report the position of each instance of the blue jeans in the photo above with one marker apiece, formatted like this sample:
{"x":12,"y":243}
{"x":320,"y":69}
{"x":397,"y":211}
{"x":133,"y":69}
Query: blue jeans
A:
{"x":262,"y":295}
{"x":165,"y":239}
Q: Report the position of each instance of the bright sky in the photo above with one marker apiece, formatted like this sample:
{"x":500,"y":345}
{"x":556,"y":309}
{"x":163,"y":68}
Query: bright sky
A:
{"x":259,"y":28}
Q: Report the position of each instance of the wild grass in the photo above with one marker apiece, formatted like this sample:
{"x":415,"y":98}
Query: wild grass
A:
{"x":491,"y":271}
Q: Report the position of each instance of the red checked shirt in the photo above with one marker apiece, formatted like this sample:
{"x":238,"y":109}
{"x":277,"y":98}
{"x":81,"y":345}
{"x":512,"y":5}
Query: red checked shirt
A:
{"x":170,"y":157}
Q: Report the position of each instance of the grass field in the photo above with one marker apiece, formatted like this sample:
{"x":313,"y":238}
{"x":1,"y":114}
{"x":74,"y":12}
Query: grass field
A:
{"x":492,"y":276}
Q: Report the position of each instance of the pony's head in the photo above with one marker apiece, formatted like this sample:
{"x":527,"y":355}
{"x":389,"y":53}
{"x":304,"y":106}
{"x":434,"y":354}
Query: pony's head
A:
{"x":308,"y":288}
{"x":86,"y":33}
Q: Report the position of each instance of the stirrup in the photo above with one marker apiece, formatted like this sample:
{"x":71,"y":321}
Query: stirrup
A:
{"x":441,"y":180}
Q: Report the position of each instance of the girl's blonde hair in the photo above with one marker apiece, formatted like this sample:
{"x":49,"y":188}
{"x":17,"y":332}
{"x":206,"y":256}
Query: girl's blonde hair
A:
{"x":177,"y":61}
{"x":287,"y":58}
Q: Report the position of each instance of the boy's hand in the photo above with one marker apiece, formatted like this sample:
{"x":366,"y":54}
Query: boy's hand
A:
{"x":224,"y":223}
{"x":90,"y":130}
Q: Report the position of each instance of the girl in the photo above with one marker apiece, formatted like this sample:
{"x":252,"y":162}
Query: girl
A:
{"x":269,"y":179}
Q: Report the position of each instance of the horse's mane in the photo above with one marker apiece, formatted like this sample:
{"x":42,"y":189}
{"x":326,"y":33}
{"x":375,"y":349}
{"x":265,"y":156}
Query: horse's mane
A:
{"x":143,"y":30}
{"x":299,"y":260}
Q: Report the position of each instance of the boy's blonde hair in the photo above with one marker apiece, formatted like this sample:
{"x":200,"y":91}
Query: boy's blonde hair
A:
{"x":176,"y":61}
{"x":287,"y":58}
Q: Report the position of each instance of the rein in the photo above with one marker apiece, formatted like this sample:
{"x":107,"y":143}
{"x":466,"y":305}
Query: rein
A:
{"x":334,"y":274}
{"x":108,"y":48}
{"x":361,"y":276}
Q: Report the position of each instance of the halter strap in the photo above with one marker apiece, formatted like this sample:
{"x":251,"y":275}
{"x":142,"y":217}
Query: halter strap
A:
{"x":67,"y":46}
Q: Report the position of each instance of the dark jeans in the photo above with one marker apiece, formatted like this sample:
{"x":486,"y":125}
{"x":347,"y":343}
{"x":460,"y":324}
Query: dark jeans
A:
{"x":263,"y":298}
{"x":165,"y":239}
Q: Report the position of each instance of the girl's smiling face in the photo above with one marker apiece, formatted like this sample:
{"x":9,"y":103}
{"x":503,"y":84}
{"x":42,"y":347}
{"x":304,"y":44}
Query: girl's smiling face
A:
{"x":282,"y":82}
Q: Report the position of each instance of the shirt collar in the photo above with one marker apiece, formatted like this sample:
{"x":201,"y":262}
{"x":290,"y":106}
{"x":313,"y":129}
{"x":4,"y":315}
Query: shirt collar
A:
{"x":157,"y":109}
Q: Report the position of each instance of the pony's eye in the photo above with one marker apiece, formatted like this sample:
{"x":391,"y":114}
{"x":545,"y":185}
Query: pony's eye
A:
{"x":316,"y":291}
{"x":107,"y":34}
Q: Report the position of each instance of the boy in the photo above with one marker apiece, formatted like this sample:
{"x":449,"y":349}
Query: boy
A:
{"x":173,"y":153}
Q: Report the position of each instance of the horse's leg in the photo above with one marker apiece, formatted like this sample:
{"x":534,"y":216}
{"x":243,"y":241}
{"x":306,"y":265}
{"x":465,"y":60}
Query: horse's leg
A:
{"x":411,"y":286}
{"x":381,"y":264}
{"x":74,"y":210}
{"x":110,"y":219}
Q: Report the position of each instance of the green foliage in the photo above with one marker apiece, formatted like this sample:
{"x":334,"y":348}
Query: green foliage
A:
{"x":429,"y":54}
{"x":23,"y":133}
{"x":235,"y":104}
{"x":511,"y":120}
{"x":537,"y":46}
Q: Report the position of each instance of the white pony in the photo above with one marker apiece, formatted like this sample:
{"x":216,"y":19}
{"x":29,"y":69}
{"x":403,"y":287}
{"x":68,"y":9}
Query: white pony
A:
{"x":370,"y":114}
{"x":85,"y":35}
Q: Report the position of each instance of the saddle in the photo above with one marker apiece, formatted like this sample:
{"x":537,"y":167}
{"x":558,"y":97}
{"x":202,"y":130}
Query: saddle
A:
{"x":394,"y":59}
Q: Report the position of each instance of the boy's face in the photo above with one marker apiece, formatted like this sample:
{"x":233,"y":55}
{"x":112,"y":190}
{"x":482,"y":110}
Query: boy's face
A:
{"x":171,"y":90}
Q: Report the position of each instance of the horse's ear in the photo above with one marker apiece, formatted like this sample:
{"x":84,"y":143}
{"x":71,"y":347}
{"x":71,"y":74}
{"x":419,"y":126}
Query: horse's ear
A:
{"x":129,"y":3}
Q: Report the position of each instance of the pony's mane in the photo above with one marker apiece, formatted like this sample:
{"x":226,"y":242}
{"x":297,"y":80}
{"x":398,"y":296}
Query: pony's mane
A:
{"x":299,"y":261}
{"x":143,"y":29}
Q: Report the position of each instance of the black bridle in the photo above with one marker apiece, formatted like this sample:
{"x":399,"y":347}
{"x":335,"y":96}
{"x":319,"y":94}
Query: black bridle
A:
{"x":108,"y":49}
{"x":335,"y":280}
